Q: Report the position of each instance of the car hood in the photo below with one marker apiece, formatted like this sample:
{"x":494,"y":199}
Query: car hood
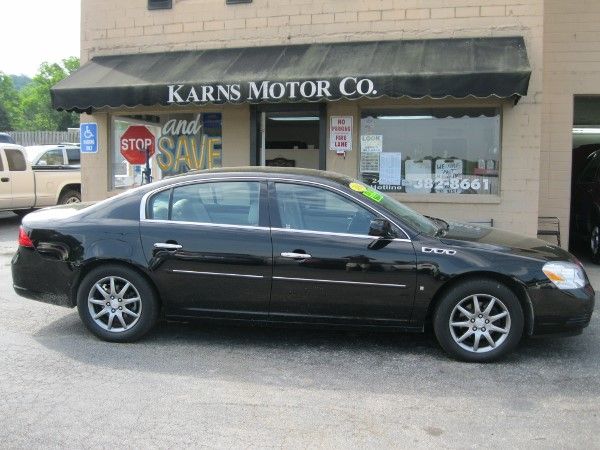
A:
{"x":493,"y":239}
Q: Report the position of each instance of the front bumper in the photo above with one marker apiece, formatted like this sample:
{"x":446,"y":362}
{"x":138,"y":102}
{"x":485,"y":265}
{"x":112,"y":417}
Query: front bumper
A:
{"x":561,"y":311}
{"x":43,"y":279}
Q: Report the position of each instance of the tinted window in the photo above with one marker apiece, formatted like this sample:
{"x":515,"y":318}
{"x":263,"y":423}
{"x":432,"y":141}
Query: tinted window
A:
{"x":590,"y":170}
{"x":73,"y":156}
{"x":230,"y":203}
{"x":315,"y":209}
{"x":15,"y":159}
{"x":52,"y":157}
{"x":5,"y":138}
{"x":158,"y":207}
{"x":1,"y":164}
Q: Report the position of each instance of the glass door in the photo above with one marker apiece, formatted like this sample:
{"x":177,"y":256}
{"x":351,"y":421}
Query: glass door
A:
{"x":291,"y":137}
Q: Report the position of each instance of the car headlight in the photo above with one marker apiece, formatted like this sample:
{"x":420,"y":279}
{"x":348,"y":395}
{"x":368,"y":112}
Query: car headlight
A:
{"x":565,"y":275}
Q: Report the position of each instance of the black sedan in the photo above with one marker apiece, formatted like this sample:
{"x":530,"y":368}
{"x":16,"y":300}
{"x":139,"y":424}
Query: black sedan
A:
{"x":295,"y":246}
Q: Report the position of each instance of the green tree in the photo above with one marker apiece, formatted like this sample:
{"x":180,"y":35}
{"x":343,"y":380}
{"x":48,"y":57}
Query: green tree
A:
{"x":35,"y":106}
{"x":9,"y":104}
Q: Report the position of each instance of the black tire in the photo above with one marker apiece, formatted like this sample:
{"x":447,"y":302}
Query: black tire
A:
{"x":594,"y":243}
{"x":505,"y":300}
{"x":69,"y":196}
{"x":147,"y":307}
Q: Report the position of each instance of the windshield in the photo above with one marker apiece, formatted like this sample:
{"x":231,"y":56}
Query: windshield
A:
{"x":415,"y":220}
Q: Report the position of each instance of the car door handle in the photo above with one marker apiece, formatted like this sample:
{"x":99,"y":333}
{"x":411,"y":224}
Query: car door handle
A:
{"x":293,"y":255}
{"x":5,"y":179}
{"x":166,"y":246}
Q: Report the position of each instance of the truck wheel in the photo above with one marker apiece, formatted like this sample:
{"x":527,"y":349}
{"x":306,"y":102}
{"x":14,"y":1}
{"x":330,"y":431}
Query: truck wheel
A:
{"x":69,"y":196}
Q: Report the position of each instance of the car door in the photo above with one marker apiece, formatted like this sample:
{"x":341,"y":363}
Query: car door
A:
{"x":326,"y":266}
{"x":208,"y":248}
{"x":5,"y":184}
{"x":21,"y":179}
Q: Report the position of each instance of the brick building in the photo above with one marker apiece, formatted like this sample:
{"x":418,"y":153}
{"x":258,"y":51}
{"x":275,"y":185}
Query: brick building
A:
{"x":462,"y":108}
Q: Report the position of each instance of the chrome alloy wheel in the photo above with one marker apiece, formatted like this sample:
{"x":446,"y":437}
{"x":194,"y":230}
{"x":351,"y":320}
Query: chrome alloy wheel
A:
{"x":479,"y":323}
{"x":114,"y":304}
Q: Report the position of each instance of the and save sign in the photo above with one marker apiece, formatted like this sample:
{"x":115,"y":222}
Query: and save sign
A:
{"x":136,"y":140}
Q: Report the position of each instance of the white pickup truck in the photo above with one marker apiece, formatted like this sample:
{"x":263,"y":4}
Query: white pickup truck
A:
{"x":24,"y":187}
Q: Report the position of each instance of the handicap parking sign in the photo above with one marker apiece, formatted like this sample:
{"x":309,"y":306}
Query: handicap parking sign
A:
{"x":88,"y":137}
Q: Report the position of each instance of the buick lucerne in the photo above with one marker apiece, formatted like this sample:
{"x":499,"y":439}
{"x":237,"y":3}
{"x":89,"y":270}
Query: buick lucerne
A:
{"x":295,"y":246}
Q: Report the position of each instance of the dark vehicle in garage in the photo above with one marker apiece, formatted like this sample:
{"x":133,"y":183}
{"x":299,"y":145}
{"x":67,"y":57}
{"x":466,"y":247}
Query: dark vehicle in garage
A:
{"x":295,"y":246}
{"x":585,"y":201}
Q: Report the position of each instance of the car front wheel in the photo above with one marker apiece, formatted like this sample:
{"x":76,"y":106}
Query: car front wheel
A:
{"x":478,"y":321}
{"x":117,"y":304}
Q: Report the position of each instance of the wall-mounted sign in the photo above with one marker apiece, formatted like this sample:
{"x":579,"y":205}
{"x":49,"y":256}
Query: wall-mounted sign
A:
{"x":340,"y":134}
{"x":137,"y":143}
{"x":88,"y":137}
{"x":192,"y":144}
{"x":260,"y":91}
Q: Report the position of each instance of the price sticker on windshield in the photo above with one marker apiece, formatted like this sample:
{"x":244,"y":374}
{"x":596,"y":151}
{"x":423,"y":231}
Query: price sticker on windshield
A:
{"x":373,"y":195}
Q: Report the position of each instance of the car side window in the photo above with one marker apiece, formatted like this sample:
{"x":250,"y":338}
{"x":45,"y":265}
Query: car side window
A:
{"x":158,"y":206}
{"x":312,"y":208}
{"x":52,"y":157}
{"x":73,"y":156}
{"x":1,"y":164}
{"x":223,"y":202}
{"x":15,"y":159}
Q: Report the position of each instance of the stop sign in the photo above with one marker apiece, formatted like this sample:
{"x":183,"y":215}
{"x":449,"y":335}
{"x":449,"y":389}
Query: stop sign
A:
{"x":135,"y":142}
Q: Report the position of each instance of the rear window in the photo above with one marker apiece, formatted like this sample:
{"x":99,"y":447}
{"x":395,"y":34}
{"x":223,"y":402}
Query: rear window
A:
{"x":15,"y":159}
{"x":73,"y":156}
{"x":52,"y":157}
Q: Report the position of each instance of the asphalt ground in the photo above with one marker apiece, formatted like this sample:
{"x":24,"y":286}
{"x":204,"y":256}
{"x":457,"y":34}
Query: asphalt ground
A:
{"x":250,"y":387}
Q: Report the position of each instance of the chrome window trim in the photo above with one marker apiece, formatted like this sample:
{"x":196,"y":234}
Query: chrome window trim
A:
{"x":362,"y":283}
{"x":207,"y":224}
{"x":144,"y":201}
{"x":346,"y":195}
{"x":328,"y":233}
{"x":220,"y":274}
{"x":147,"y":195}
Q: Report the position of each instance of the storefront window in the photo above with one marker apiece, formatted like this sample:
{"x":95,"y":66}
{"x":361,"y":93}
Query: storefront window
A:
{"x":178,"y":143}
{"x":431,"y":151}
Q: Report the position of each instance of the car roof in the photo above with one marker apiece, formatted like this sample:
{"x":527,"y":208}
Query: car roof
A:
{"x":263,"y":171}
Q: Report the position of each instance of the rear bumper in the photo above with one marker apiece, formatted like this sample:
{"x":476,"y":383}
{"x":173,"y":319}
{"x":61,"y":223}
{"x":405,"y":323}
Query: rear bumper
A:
{"x":42,"y":279}
{"x":562,"y":311}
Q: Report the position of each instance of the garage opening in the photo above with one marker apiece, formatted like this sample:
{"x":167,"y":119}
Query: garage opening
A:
{"x":585,"y":178}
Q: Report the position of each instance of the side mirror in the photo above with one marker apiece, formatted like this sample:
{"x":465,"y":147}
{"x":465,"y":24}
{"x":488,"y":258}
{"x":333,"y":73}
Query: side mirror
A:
{"x":381,"y":228}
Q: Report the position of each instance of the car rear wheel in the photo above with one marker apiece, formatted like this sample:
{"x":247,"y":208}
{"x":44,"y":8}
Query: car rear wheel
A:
{"x":479,"y":321}
{"x":595,"y":243}
{"x":117,"y":304}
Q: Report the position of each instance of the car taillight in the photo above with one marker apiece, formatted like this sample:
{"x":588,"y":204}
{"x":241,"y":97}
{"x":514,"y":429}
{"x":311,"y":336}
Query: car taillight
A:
{"x":24,"y":239}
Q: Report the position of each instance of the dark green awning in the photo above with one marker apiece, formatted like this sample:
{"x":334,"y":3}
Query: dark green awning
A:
{"x":436,"y":68}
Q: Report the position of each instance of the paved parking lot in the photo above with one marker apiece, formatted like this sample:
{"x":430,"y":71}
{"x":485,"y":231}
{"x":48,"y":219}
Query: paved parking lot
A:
{"x":246,"y":387}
